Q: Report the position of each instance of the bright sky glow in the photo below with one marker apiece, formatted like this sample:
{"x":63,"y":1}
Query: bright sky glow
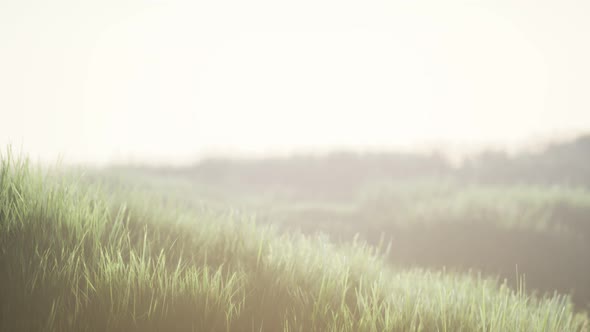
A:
{"x":171,"y":81}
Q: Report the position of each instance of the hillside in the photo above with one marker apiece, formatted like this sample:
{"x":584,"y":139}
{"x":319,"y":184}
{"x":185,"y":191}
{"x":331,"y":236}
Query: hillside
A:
{"x":73,"y":258}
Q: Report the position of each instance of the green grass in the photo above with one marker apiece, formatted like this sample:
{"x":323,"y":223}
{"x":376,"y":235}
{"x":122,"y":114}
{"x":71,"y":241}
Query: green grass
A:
{"x":74,"y":258}
{"x":433,"y":222}
{"x":381,"y":204}
{"x":533,"y":207}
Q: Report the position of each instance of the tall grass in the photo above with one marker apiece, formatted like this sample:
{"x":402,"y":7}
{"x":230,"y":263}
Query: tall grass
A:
{"x":544,"y":230}
{"x":525,"y":207}
{"x":74,"y":259}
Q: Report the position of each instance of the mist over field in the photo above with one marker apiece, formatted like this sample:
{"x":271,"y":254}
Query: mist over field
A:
{"x":170,"y":82}
{"x":308,"y":166}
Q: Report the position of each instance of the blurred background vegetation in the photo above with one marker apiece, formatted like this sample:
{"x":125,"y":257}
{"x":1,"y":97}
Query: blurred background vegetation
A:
{"x":503,"y":215}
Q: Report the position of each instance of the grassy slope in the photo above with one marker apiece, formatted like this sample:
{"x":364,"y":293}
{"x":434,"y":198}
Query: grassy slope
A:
{"x":72,"y":260}
{"x":383,"y":204}
{"x":433,"y":222}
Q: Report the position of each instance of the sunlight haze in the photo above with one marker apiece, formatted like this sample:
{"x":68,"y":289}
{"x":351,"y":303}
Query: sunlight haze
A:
{"x":173,"y":81}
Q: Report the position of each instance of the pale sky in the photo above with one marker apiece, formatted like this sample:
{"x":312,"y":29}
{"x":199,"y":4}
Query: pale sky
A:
{"x":171,"y":81}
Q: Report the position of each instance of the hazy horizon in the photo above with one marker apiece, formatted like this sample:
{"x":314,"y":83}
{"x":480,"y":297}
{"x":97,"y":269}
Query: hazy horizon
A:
{"x":169,"y":82}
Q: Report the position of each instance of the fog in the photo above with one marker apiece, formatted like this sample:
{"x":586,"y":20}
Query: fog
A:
{"x":174,"y":81}
{"x":314,"y":165}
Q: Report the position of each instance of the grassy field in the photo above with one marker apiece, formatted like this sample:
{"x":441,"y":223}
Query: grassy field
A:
{"x":539,"y":230}
{"x":76,"y":257}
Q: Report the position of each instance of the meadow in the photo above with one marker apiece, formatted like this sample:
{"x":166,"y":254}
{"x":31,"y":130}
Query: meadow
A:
{"x":130,"y":249}
{"x":503,"y":216}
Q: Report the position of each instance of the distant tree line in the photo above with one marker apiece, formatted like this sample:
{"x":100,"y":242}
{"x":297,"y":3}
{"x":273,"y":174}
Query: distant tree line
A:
{"x":560,"y":163}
